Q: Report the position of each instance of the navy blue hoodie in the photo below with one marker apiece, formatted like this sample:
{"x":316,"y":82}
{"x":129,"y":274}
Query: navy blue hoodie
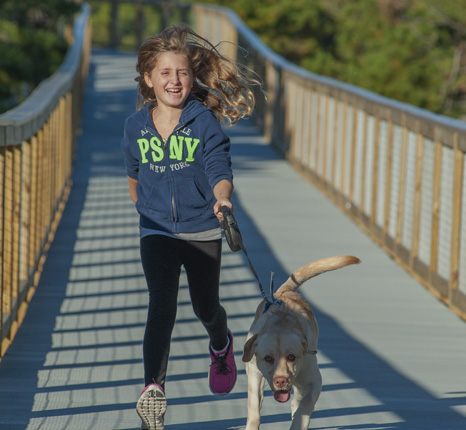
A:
{"x":176,"y":178}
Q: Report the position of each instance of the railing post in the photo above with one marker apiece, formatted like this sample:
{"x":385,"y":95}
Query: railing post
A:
{"x":140,"y":24}
{"x":458,"y":172}
{"x":185,"y":14}
{"x":113,"y":26}
{"x":164,"y":16}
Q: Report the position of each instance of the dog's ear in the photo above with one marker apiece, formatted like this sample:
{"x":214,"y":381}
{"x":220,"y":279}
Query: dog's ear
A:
{"x":249,"y":349}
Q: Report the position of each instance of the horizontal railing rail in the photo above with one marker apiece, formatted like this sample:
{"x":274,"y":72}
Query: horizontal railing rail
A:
{"x":36,"y":152}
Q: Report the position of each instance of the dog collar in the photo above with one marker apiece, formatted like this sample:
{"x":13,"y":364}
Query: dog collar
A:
{"x":269,"y":303}
{"x":271,"y":300}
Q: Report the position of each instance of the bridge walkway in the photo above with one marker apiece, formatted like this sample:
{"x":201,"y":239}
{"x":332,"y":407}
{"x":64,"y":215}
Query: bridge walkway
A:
{"x":391,"y":355}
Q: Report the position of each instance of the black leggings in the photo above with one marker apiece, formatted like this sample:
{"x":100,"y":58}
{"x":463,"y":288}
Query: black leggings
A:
{"x":162,"y":258}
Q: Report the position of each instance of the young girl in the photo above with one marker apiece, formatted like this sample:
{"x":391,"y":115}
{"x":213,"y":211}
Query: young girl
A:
{"x":179,"y":172}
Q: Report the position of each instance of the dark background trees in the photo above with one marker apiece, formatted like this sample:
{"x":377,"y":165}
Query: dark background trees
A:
{"x":33,"y":42}
{"x":409,"y":50}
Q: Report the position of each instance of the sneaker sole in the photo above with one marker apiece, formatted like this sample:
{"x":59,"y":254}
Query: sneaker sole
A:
{"x":151,"y":408}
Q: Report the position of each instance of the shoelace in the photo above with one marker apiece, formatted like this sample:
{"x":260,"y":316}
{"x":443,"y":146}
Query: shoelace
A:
{"x":221,"y":365}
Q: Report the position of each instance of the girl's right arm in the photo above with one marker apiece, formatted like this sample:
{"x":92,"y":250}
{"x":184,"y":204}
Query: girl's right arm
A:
{"x":132,"y":189}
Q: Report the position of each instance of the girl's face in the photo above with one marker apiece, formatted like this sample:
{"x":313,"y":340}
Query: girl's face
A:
{"x":172,"y":79}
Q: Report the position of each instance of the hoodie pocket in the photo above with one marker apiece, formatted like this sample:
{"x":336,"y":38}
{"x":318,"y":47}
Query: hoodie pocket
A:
{"x":191,"y":200}
{"x":158,"y":200}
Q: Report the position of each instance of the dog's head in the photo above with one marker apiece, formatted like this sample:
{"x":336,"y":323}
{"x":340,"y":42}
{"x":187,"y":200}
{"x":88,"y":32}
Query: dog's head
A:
{"x":279,"y":356}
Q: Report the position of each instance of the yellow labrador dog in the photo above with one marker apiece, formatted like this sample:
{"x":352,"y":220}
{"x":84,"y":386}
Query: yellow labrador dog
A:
{"x":281,"y":348}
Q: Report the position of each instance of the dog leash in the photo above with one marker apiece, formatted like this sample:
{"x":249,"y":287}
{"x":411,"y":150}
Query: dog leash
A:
{"x":235,"y":242}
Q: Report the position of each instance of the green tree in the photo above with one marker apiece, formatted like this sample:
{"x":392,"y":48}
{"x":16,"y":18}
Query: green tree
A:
{"x":402,"y":53}
{"x":32,"y":44}
{"x":409,"y":50}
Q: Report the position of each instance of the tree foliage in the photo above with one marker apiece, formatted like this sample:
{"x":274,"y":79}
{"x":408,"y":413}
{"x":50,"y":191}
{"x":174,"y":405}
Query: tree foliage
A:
{"x":409,"y":50}
{"x":32,"y":44}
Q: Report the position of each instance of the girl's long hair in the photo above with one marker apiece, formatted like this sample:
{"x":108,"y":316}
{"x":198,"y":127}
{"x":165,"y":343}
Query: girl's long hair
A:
{"x":220,"y":83}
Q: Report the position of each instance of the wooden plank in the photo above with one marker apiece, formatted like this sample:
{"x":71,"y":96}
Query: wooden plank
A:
{"x":335,"y":125}
{"x":343,"y":148}
{"x":353,"y":153}
{"x":325,"y":141}
{"x":311,"y":142}
{"x":290,"y":117}
{"x":364,"y":153}
{"x":388,"y":178}
{"x":375,"y":170}
{"x":436,"y":208}
{"x":25,"y":212}
{"x":307,"y":127}
{"x":316,"y":144}
{"x":2,"y":227}
{"x":402,"y":185}
{"x":8,"y":232}
{"x":33,"y":217}
{"x":417,"y":199}
{"x":40,"y":218}
{"x":270,"y":90}
{"x":16,"y":220}
{"x":458,"y":171}
{"x":294,"y":120}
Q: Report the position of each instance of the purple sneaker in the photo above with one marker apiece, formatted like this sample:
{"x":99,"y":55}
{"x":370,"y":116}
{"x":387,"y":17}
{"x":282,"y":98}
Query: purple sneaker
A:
{"x":151,"y":407}
{"x":222,"y":373}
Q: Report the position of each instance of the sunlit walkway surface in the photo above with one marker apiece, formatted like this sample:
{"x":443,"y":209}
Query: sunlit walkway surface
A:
{"x":392,"y":356}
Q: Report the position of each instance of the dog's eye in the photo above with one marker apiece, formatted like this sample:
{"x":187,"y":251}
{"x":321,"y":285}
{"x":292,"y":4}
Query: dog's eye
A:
{"x":268,"y":359}
{"x":291,"y":357}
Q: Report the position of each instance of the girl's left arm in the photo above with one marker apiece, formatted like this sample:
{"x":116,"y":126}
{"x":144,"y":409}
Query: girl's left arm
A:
{"x":223,"y":191}
{"x":132,"y":189}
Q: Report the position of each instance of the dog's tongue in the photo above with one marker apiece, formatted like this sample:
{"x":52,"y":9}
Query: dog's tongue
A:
{"x":281,"y":396}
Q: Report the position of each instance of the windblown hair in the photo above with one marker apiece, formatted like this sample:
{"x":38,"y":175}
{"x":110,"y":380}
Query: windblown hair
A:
{"x":220,"y":83}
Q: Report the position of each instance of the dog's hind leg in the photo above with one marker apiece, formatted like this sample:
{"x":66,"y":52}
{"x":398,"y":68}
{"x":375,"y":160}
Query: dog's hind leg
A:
{"x":255,"y":396}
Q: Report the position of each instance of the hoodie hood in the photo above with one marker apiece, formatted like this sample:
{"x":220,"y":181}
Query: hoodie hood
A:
{"x":192,"y":109}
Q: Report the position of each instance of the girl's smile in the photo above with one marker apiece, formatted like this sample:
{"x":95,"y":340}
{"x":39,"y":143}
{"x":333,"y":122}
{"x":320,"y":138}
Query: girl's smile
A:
{"x":172,"y":79}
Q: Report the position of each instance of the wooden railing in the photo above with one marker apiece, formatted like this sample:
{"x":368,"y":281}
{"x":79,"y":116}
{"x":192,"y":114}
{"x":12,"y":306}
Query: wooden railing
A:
{"x":36,"y":152}
{"x":396,"y":170}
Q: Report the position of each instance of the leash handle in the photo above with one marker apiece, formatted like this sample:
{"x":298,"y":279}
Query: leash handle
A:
{"x":226,"y":211}
{"x":230,"y":228}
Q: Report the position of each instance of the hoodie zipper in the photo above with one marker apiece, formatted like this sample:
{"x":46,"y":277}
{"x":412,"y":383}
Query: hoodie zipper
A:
{"x":171,"y":178}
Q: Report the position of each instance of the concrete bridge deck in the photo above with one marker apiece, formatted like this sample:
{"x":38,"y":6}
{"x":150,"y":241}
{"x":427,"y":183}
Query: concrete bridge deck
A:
{"x":391,"y":355}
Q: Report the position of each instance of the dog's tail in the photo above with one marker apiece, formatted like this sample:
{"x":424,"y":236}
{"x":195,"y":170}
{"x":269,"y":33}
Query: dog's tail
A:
{"x":316,"y":268}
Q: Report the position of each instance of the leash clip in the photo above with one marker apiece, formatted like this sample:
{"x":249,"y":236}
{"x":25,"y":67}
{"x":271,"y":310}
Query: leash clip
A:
{"x":271,"y":300}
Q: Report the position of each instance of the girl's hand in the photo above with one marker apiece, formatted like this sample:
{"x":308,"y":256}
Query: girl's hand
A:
{"x":218,"y":204}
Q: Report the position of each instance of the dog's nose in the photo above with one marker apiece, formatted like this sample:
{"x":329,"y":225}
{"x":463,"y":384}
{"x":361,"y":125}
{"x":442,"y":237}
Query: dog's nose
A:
{"x":280,"y":381}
